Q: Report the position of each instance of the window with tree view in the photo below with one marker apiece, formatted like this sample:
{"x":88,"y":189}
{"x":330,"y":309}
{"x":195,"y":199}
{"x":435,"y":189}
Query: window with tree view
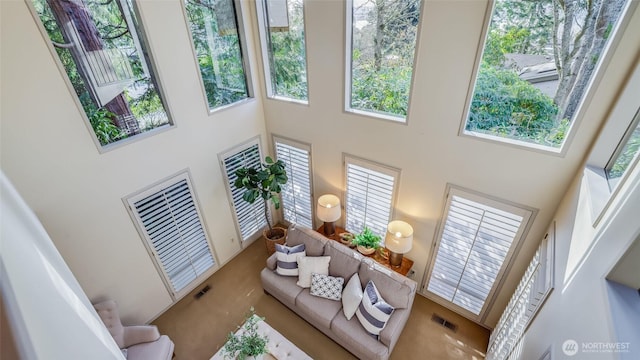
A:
{"x":538,"y":61}
{"x":285,"y":60}
{"x":626,"y":153}
{"x":218,"y":49}
{"x":381,"y":49}
{"x":105,"y":59}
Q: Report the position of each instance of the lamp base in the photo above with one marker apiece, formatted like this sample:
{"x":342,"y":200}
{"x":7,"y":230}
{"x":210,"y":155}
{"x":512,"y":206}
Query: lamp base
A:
{"x":395,"y":259}
{"x":329,"y":228}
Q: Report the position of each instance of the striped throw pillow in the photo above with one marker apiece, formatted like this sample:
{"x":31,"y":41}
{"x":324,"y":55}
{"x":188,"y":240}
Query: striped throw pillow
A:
{"x":287,"y":259}
{"x":373,"y":312}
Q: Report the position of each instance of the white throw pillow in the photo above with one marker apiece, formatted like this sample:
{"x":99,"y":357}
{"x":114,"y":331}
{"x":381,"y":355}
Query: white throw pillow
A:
{"x":351,"y":296}
{"x":328,"y":287}
{"x":287,"y":259}
{"x":311,"y":264}
{"x":373,"y":312}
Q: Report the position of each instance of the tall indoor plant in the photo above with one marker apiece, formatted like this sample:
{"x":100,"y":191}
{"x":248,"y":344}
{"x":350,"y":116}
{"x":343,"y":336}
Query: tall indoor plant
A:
{"x":264,"y":182}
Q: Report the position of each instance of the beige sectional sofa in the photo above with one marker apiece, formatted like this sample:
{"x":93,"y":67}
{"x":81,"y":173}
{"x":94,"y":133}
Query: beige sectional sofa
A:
{"x":327,"y":315}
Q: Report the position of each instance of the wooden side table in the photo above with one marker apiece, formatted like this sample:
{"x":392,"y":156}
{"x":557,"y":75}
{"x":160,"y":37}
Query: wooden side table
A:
{"x":403,"y":269}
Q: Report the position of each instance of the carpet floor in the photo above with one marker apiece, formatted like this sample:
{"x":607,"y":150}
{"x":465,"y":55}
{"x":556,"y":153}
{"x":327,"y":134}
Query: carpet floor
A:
{"x":199,"y":327}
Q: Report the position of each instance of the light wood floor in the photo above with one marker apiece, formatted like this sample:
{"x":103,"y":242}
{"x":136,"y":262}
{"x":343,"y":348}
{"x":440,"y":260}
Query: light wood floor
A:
{"x":199,"y":327}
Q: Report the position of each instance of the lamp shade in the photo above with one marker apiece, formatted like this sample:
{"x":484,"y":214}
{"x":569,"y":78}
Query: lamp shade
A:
{"x":399,"y":237}
{"x":328,"y":209}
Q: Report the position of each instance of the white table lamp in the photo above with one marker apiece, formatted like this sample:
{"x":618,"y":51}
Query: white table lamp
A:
{"x":398,"y":240}
{"x":328,"y":210}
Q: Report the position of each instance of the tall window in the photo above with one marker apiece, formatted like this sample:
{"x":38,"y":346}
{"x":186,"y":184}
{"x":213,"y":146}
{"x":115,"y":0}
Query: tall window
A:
{"x":476,"y":240}
{"x":532,"y":291}
{"x":296,"y":193}
{"x":370,"y":195}
{"x":249,"y":217}
{"x":381,"y":45}
{"x":169,"y":219}
{"x":538,"y":62}
{"x":281,"y":24}
{"x":105,"y":58}
{"x":626,"y":153}
{"x":219,"y":50}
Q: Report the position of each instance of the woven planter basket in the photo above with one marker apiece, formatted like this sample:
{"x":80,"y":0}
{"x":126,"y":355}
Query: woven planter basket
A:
{"x":271,"y":243}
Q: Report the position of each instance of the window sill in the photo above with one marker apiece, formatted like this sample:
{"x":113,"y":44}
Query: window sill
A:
{"x":378,"y":116}
{"x":514,"y":143}
{"x":289,"y":100}
{"x":229,"y":106}
{"x":599,"y":193}
{"x":130,"y":140}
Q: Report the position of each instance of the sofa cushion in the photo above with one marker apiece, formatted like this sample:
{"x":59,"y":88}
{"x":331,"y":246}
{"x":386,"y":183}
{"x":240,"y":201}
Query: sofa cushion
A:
{"x":311,"y":264}
{"x":110,"y":316}
{"x":398,"y":290}
{"x":344,"y":261}
{"x":287,"y":259}
{"x":282,"y":287}
{"x":359,"y":341}
{"x":319,"y":309}
{"x":326,"y":286}
{"x":271,"y":262}
{"x":314,"y":242}
{"x":162,"y":349}
{"x":374,"y":311}
{"x":351,"y":296}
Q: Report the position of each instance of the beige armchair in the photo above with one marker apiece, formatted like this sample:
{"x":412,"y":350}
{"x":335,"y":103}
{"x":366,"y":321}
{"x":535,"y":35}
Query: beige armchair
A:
{"x":137,"y":342}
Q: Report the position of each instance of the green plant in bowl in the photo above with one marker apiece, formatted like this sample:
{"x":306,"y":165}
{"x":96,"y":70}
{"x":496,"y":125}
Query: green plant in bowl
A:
{"x":367,"y":242}
{"x":248,"y":343}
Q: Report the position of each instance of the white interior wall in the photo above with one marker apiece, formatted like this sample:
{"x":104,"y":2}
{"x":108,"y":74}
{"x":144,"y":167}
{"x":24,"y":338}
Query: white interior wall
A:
{"x":40,"y":293}
{"x":624,"y":304}
{"x":428,"y":149}
{"x":48,"y":154}
{"x":580,"y":306}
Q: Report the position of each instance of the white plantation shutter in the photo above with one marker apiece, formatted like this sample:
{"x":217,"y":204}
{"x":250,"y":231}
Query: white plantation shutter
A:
{"x":171,"y":224}
{"x":249,"y":217}
{"x":475,"y":240}
{"x":535,"y":285}
{"x":370,"y":196}
{"x":296,"y":193}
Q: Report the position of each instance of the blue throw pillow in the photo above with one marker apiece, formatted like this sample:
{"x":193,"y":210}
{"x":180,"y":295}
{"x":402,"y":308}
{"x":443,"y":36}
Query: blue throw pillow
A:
{"x":373,"y":312}
{"x":287,"y":259}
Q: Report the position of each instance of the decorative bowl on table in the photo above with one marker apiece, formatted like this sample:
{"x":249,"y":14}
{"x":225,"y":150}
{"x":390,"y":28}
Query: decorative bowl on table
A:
{"x":346,"y":238}
{"x":383,"y":253}
{"x":365,"y":250}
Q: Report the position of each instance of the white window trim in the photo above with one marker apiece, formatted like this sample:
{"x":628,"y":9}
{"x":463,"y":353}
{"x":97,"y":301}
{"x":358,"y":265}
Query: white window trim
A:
{"x":372,"y":165}
{"x":348,"y":66}
{"x":624,"y":113}
{"x":266,"y":51}
{"x":303,"y":146}
{"x":582,"y":108}
{"x":541,"y":275}
{"x":150,"y":51}
{"x":239,"y":11}
{"x":529,"y":215}
{"x":130,"y":199}
{"x":221,"y":157}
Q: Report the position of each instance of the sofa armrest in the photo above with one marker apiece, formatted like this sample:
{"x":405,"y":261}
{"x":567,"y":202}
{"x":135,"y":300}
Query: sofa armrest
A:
{"x":140,"y":334}
{"x":271,"y":262}
{"x":391,"y":332}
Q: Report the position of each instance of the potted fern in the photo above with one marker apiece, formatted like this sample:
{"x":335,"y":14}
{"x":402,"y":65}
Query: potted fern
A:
{"x":246,"y":343}
{"x":367,"y":242}
{"x":264,"y":183}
